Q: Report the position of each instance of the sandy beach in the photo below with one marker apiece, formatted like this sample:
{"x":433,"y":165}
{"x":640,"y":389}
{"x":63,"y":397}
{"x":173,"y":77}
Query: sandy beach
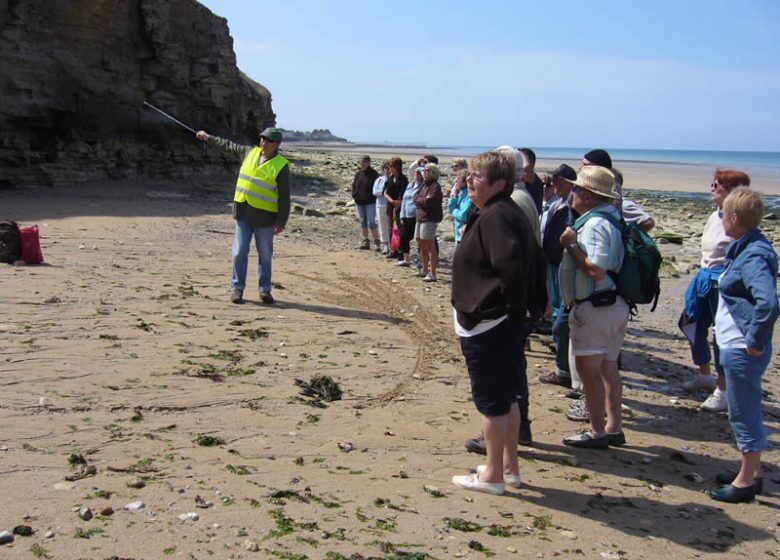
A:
{"x":122,"y":353}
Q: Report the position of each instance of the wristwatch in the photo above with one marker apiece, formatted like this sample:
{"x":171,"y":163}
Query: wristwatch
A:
{"x":570,"y":247}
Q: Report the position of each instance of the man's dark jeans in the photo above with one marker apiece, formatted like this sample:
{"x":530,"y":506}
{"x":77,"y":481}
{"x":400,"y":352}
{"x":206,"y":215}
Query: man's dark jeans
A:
{"x":560,"y":336}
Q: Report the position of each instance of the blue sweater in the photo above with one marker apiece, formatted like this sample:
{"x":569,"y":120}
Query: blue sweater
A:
{"x":748,"y":285}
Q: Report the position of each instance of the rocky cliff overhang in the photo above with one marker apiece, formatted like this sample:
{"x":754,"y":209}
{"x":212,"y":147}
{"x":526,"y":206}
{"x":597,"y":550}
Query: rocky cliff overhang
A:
{"x":75,"y":74}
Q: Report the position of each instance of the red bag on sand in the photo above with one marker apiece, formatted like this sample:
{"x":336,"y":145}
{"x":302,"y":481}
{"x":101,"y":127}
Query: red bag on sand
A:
{"x":31,"y":245}
{"x":395,"y":239}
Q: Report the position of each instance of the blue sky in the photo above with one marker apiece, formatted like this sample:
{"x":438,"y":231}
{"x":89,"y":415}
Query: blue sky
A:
{"x":684,"y":74}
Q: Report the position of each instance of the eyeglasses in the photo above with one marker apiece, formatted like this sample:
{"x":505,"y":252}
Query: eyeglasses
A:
{"x":475,"y":175}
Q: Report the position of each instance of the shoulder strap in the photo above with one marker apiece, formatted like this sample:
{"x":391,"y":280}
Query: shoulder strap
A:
{"x":617,"y":222}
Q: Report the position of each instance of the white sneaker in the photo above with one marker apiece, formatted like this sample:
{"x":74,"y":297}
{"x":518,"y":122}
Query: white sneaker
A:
{"x":701,"y":381}
{"x":512,"y":480}
{"x":716,"y":402}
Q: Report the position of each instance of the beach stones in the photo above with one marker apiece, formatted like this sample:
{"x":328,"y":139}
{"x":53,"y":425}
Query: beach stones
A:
{"x":6,"y":537}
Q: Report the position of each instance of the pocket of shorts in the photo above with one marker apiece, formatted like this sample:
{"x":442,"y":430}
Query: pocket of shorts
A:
{"x":573,"y":319}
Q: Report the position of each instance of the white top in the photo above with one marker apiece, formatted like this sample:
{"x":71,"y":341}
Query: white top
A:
{"x":482,"y":326}
{"x":714,"y":241}
{"x":727,"y":333}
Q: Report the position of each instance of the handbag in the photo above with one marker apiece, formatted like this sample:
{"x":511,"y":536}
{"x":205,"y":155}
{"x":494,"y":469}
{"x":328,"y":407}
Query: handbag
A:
{"x":31,"y":245}
{"x":395,"y":238}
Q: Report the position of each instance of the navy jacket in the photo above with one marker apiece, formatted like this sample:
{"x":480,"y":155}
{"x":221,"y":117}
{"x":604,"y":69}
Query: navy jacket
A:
{"x":748,"y":285}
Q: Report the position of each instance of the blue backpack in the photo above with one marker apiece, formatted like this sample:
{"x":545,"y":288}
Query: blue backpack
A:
{"x":638,"y":279}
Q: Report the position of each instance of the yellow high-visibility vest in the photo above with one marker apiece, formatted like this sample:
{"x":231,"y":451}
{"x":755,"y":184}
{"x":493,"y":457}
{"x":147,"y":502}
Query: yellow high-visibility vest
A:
{"x":256,"y":184}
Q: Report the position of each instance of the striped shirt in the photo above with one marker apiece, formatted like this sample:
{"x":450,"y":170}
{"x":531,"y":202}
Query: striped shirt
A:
{"x":603,"y":244}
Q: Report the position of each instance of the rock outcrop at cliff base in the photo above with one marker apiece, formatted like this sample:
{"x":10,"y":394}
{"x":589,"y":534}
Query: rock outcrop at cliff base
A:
{"x":76,"y":73}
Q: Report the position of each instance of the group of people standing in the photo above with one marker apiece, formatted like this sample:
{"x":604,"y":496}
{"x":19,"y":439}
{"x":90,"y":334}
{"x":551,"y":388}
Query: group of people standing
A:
{"x":407,"y":207}
{"x":523,"y":241}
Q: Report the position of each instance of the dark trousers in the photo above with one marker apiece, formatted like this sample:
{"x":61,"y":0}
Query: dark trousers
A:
{"x":407,"y":233}
{"x":522,"y":385}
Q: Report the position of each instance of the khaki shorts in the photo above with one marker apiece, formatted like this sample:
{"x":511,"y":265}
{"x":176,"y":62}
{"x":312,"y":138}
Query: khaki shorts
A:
{"x":598,"y":330}
{"x":425,"y":230}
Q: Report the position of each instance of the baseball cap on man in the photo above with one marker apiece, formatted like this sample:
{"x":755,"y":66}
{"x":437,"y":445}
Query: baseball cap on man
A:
{"x":565,"y":172}
{"x":272,"y":134}
{"x":596,"y":179}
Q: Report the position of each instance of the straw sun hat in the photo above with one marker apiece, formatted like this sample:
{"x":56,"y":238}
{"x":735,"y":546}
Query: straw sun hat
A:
{"x":596,"y":179}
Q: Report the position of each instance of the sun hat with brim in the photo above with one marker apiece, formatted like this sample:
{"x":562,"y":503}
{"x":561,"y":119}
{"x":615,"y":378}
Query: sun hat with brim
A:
{"x":596,"y":179}
{"x":272,"y":134}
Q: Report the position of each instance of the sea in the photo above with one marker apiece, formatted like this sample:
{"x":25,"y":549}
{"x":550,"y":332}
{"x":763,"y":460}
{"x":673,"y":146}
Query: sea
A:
{"x":764,"y":162}
{"x":736,"y":159}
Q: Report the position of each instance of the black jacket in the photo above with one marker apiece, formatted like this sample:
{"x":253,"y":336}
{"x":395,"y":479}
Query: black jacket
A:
{"x":363,"y":186}
{"x":498,"y":267}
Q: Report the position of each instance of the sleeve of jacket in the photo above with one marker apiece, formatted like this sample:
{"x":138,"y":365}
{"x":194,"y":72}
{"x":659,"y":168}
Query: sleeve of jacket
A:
{"x":354,"y":185}
{"x":459,"y":208}
{"x":760,"y":282}
{"x":507,"y":256}
{"x":238,"y":151}
{"x":283,"y":182}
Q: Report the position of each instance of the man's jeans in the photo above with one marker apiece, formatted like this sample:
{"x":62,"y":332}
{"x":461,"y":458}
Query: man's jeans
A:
{"x":743,"y":394}
{"x":264,"y":242}
{"x":560,"y":336}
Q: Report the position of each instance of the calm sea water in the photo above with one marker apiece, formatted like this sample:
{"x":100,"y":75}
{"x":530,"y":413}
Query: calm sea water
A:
{"x":769,"y":160}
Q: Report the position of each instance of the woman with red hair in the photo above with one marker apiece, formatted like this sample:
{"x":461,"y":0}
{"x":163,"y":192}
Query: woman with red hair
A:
{"x":701,"y":298}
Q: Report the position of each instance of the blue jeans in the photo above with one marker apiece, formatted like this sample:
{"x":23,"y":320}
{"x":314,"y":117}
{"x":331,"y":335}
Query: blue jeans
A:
{"x":743,"y":394}
{"x":700,"y":348}
{"x":560,"y":335}
{"x":264,"y":242}
{"x":367,"y":215}
{"x":554,"y":289}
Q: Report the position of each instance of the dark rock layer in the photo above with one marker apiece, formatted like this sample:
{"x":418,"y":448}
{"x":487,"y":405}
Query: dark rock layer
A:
{"x":74,"y":77}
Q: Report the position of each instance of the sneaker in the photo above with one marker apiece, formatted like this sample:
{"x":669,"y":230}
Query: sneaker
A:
{"x":472,"y":482}
{"x":384,"y":249}
{"x":430,"y":277}
{"x":701,"y":381}
{"x":403,"y":263}
{"x":392,"y":255}
{"x":366,"y":244}
{"x":513,"y":480}
{"x":419,"y":274}
{"x":554,"y":378}
{"x":237,"y":296}
{"x":266,"y":297}
{"x":716,"y":402}
{"x":585,"y":440}
{"x":617,"y":439}
{"x":574,"y":394}
{"x":578,"y":411}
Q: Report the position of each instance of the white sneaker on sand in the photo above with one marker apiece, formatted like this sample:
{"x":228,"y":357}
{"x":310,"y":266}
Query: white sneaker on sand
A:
{"x":472,"y":482}
{"x":716,"y":402}
{"x":512,"y":480}
{"x":701,"y":381}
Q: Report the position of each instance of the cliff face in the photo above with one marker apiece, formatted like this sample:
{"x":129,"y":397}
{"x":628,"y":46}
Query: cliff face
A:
{"x":75,"y":75}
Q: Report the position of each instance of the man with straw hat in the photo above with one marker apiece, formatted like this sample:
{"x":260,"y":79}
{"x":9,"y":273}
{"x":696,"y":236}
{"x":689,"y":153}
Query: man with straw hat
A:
{"x":598,"y":314}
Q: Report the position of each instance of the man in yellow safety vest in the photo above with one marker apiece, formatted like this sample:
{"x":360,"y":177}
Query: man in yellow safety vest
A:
{"x":261,"y":206}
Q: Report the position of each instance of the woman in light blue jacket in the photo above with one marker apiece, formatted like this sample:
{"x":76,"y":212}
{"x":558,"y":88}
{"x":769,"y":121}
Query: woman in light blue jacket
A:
{"x":459,"y":205}
{"x":745,"y":319}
